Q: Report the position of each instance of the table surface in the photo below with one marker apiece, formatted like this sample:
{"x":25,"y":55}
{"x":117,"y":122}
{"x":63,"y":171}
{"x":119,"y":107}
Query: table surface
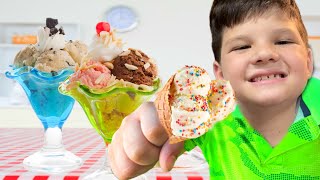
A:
{"x":18,"y":143}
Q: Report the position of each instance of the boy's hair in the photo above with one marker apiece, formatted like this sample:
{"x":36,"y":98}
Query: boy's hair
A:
{"x":228,"y":13}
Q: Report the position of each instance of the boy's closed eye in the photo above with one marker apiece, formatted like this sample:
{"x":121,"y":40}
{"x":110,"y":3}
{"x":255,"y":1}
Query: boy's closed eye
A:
{"x":283,"y":42}
{"x":242,"y":47}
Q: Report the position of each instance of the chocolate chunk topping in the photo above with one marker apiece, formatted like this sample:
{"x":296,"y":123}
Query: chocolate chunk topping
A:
{"x":54,"y":73}
{"x":51,"y":23}
{"x":68,"y":63}
{"x":53,"y":31}
{"x":61,"y":31}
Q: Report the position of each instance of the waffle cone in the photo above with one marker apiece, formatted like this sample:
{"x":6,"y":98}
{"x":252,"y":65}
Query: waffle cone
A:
{"x":163,"y":106}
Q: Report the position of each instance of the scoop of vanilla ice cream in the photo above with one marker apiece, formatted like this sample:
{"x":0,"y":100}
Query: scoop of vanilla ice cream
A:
{"x":189,"y":124}
{"x":105,"y":47}
{"x":221,"y":99}
{"x":192,"y":80}
{"x":190,"y":102}
{"x":77,"y":50}
{"x":26,"y":57}
{"x":54,"y":60}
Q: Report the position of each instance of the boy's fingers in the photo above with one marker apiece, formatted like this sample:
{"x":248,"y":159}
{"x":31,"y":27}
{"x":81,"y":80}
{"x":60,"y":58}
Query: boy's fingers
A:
{"x":150,"y":124}
{"x":169,"y":153}
{"x":121,"y":165}
{"x":136,"y":146}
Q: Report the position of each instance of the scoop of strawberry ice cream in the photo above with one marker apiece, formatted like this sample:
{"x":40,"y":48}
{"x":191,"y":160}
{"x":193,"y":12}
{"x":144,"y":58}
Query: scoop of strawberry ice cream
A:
{"x":92,"y":74}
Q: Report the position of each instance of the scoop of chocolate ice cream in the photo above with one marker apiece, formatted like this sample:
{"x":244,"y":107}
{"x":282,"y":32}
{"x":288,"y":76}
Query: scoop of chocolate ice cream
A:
{"x":134,"y":66}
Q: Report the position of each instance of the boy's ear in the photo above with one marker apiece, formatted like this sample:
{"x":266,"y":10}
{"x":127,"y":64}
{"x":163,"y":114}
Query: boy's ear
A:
{"x":310,"y":62}
{"x":217,"y":70}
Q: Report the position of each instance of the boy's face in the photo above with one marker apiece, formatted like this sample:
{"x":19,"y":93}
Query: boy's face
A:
{"x":265,"y":60}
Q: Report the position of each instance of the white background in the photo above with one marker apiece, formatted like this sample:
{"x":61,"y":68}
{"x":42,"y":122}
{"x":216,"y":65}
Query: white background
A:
{"x":173,"y":32}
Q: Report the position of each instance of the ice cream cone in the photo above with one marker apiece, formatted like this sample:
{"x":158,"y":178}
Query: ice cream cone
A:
{"x":190,"y":115}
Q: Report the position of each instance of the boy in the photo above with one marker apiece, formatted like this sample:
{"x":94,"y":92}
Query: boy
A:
{"x":261,"y":47}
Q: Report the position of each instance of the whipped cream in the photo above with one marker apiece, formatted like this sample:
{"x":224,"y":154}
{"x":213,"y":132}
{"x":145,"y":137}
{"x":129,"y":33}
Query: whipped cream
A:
{"x":105,"y":47}
{"x":46,"y":42}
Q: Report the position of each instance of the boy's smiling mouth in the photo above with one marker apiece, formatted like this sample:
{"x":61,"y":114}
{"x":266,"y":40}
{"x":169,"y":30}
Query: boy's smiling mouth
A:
{"x":267,"y":77}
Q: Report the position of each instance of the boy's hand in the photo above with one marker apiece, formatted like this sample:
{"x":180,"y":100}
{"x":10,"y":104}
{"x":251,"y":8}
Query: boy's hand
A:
{"x":140,"y":143}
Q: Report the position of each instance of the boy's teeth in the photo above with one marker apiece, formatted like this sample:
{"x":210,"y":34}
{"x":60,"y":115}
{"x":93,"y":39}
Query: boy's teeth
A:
{"x":262,"y":78}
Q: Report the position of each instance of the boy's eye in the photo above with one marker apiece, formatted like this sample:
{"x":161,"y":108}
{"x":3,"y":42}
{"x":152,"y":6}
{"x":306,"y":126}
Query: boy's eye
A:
{"x":283,"y":42}
{"x":241,"y":48}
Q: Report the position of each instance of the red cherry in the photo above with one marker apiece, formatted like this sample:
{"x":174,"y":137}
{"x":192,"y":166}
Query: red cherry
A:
{"x":102,"y":26}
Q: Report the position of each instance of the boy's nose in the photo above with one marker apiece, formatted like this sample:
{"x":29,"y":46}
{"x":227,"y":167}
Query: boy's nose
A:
{"x":265,"y":55}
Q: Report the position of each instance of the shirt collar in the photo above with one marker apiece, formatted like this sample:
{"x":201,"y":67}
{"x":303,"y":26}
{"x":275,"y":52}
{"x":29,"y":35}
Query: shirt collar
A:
{"x":310,"y":103}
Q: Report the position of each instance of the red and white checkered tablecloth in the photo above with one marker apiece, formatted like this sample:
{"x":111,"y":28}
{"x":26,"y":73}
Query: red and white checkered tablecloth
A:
{"x":18,"y":143}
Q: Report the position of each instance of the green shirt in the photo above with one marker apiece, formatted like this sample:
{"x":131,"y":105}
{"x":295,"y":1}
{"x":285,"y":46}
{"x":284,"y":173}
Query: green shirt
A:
{"x":234,"y":150}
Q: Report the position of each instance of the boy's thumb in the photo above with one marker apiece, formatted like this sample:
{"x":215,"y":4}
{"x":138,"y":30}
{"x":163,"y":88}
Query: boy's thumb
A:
{"x":169,"y":154}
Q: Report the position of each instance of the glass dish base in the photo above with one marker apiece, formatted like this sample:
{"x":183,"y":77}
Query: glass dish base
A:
{"x":52,"y":162}
{"x":190,"y":161}
{"x":187,"y":162}
{"x":100,"y":175}
{"x":104,"y":174}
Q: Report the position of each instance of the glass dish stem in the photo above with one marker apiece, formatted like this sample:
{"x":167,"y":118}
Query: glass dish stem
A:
{"x":53,"y":139}
{"x":104,"y":172}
